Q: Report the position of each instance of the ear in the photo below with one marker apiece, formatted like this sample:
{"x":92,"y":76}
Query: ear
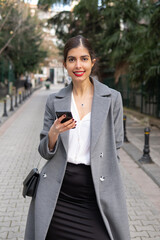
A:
{"x":93,"y":62}
{"x":64,"y":64}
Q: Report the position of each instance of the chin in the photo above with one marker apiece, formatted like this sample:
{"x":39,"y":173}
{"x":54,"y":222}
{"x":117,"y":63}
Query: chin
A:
{"x":80,"y":79}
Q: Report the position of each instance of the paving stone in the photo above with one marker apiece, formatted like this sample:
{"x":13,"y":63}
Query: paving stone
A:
{"x":145,"y":228}
{"x":136,"y":223}
{"x":5,"y":224}
{"x":143,"y":214}
{"x":150,"y":238}
{"x":139,"y":234}
{"x":3,"y":235}
{"x":150,"y":222}
{"x":154,"y":234}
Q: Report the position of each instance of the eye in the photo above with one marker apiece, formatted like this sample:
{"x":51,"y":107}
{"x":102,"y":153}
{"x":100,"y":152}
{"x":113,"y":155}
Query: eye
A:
{"x":71,"y":59}
{"x":85,"y":59}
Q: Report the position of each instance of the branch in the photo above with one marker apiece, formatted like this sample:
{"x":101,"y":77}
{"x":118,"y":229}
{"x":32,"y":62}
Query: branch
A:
{"x":10,"y":5}
{"x":5,"y":19}
{"x":10,"y":39}
{"x":14,"y":34}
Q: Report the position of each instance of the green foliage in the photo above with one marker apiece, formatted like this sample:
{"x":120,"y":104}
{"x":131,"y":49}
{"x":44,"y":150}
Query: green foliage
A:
{"x":144,"y":61}
{"x":62,"y":23}
{"x":20,"y":39}
{"x":25,"y":48}
{"x":121,"y":32}
{"x":83,"y":20}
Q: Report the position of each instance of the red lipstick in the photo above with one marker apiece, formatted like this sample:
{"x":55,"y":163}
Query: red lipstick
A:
{"x":78,"y":74}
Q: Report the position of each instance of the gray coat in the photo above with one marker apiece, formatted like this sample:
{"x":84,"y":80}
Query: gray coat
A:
{"x":106,"y":139}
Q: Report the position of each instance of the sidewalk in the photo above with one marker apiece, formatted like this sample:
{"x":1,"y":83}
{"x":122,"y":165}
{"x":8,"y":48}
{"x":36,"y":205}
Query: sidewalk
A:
{"x":135,"y":134}
{"x":19,"y":139}
{"x":12,"y":103}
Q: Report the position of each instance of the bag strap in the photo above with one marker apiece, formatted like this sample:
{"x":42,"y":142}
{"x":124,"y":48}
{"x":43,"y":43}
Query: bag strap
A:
{"x":39,"y":162}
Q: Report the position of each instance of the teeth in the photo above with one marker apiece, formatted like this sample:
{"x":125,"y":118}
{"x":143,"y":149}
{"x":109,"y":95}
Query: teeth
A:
{"x":78,"y":73}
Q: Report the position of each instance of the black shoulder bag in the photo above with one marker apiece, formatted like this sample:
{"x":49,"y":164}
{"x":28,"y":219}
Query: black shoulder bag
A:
{"x":30,"y":183}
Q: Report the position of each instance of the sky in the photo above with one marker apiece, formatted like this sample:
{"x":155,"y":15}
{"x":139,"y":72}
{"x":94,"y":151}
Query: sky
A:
{"x":32,"y":1}
{"x":58,"y":7}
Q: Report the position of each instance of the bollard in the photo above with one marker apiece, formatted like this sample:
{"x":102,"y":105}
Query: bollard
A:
{"x":5,"y":109}
{"x":11,"y":103}
{"x":23,"y":97}
{"x":20,"y":100}
{"x":26,"y":94}
{"x":146,"y":157}
{"x":16,"y":103}
{"x":124,"y":127}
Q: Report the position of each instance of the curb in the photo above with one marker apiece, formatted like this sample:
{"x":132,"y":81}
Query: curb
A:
{"x":152,"y":121}
{"x":152,"y":169}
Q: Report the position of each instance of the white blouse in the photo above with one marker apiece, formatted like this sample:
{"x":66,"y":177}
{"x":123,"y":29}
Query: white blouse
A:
{"x":79,"y":138}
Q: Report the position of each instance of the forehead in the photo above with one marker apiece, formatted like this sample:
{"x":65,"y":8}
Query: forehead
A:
{"x":78,"y":51}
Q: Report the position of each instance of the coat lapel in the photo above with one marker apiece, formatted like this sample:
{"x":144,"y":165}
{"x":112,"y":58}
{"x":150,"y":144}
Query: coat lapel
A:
{"x":100,"y":108}
{"x":63,"y":103}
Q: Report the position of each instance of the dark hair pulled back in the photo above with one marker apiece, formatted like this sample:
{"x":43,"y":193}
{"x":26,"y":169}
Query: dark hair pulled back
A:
{"x":75,"y":42}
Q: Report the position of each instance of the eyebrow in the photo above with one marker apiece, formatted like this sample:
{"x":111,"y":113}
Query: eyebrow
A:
{"x":81,"y":56}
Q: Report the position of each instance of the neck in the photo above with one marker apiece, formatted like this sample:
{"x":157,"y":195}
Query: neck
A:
{"x":82,"y":88}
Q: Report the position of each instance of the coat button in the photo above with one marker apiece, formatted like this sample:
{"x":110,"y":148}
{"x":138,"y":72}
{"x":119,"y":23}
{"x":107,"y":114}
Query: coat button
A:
{"x":44,"y":175}
{"x":102,"y":178}
{"x":101,"y":155}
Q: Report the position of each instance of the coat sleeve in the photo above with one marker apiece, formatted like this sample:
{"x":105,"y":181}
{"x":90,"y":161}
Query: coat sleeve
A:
{"x":118,"y":122}
{"x":49,"y":118}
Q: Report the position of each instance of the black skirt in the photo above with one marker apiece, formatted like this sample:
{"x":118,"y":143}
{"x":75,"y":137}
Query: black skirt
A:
{"x":77,"y":216}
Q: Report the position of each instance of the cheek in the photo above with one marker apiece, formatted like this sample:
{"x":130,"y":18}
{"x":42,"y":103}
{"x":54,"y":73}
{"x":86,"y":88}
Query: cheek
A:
{"x":89,"y":67}
{"x":68,"y":68}
{"x":70,"y":71}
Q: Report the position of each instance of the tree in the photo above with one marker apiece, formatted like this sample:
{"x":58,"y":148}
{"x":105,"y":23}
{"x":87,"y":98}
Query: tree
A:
{"x":145,"y":65}
{"x":25,"y":50}
{"x":84,"y":19}
{"x":20,"y":38}
{"x":124,"y":34}
{"x":8,"y":24}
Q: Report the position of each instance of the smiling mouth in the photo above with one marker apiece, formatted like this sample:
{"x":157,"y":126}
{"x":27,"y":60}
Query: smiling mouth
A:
{"x":78,"y":74}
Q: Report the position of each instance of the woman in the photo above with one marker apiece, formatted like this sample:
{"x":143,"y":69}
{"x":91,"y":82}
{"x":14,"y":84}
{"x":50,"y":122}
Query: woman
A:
{"x":80,"y":193}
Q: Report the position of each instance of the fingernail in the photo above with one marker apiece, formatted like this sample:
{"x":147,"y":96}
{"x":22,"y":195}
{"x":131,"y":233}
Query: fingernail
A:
{"x":64,"y":115}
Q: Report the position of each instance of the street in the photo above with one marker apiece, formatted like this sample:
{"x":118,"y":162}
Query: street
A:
{"x":19,"y":140}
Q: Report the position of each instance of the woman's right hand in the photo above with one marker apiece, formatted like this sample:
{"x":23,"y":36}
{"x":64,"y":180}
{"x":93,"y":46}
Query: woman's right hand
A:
{"x":58,"y":128}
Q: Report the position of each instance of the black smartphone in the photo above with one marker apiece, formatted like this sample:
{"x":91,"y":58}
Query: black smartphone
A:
{"x":68,"y":116}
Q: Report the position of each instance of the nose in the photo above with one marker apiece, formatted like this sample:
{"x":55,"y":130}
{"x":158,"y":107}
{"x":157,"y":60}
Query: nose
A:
{"x":78,"y":64}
